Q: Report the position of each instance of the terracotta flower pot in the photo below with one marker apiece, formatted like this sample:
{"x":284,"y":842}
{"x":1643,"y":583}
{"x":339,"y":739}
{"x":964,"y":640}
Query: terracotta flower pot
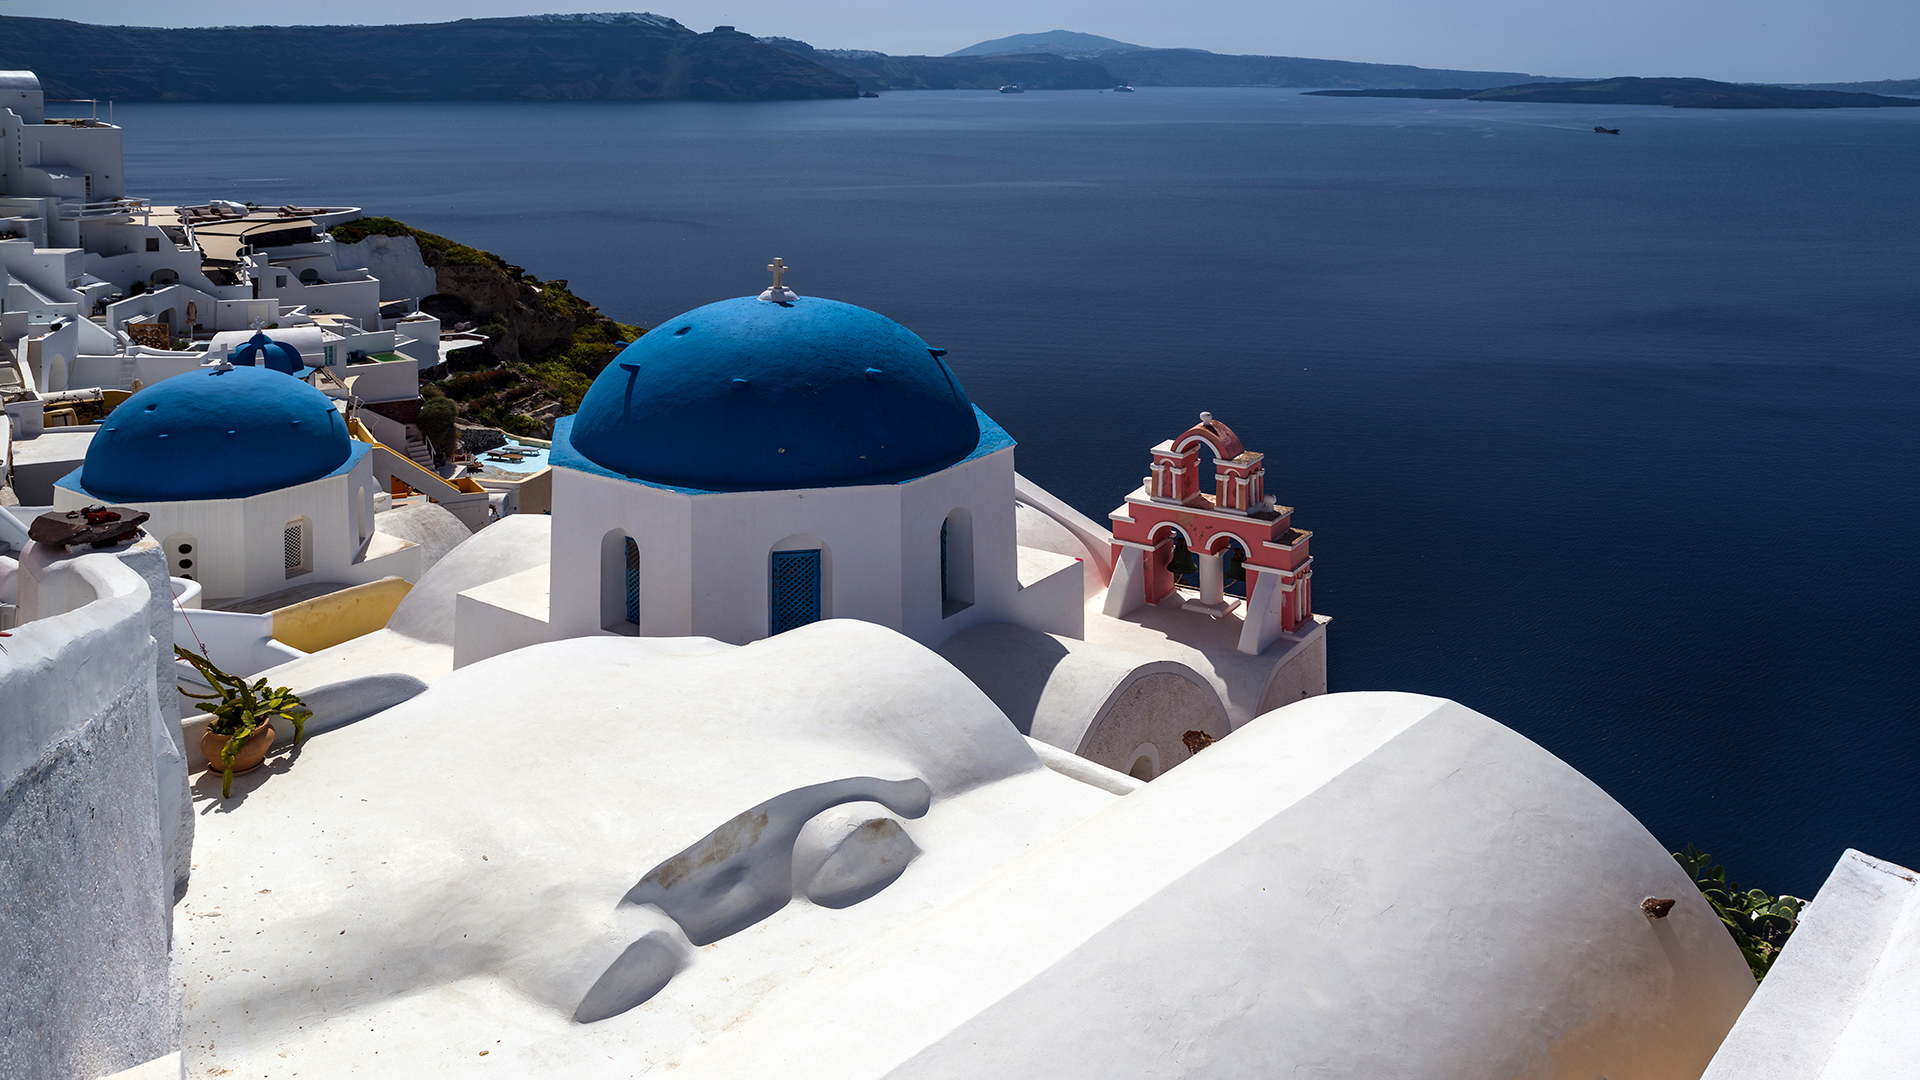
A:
{"x":250,"y":755}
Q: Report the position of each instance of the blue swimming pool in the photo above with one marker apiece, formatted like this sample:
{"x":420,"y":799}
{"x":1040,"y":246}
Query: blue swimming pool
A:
{"x":534,"y":460}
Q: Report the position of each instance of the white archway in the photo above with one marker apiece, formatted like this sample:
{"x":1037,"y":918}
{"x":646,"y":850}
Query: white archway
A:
{"x":620,"y":600}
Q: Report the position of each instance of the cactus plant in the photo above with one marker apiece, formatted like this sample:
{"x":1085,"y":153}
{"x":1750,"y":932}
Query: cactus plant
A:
{"x":240,"y":709}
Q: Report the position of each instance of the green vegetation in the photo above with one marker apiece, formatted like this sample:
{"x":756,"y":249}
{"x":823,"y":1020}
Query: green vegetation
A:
{"x":437,"y":415}
{"x":1760,"y":923}
{"x":434,"y":248}
{"x":241,"y":709}
{"x":542,"y":353}
{"x":566,"y":373}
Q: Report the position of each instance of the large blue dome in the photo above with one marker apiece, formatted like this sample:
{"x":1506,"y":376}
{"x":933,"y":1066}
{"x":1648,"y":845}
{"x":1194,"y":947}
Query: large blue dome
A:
{"x":215,"y":434}
{"x":749,"y":395}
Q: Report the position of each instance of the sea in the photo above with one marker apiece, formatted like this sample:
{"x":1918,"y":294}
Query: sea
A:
{"x":1613,"y":438}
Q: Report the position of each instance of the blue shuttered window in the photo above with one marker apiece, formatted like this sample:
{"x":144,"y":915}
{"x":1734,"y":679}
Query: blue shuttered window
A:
{"x":794,"y":578}
{"x":633,"y":581}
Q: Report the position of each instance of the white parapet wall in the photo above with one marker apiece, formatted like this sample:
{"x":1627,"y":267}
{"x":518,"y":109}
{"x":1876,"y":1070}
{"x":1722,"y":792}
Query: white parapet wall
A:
{"x":86,"y":881}
{"x":1841,"y":1000}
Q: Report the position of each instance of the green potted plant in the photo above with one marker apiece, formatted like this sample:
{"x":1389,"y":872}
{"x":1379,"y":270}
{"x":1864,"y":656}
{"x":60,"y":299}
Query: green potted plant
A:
{"x":241,"y":730}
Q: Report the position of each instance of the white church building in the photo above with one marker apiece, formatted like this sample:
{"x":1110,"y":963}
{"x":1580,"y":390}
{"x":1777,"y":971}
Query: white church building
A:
{"x":752,"y":466}
{"x":251,"y":480}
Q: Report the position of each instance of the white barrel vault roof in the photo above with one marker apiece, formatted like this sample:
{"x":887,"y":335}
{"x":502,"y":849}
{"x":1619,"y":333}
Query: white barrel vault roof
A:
{"x":1355,"y":886}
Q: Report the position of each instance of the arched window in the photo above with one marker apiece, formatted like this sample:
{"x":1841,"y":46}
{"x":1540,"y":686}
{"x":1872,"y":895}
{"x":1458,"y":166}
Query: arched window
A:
{"x":619,"y":583}
{"x":297,"y":541}
{"x":1233,"y":569}
{"x":1146,"y":762}
{"x":956,"y":562}
{"x":1177,"y":558}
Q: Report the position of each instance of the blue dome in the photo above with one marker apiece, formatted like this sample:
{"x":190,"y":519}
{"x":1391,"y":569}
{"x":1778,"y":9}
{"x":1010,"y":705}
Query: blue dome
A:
{"x":748,"y":395}
{"x":215,"y":434}
{"x":265,"y":352}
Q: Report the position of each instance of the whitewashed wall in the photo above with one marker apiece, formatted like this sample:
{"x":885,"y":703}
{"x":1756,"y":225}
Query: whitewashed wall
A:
{"x":704,"y":558}
{"x":237,"y":543}
{"x":85,"y":881}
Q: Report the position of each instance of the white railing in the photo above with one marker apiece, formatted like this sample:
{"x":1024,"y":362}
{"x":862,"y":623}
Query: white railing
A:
{"x":107,"y":208}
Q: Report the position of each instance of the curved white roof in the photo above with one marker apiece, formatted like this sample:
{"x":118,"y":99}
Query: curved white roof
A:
{"x":19,"y":80}
{"x":1360,"y":885}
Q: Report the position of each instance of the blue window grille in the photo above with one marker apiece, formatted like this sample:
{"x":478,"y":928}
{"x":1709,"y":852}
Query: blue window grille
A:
{"x":633,"y":581}
{"x":795,"y":590}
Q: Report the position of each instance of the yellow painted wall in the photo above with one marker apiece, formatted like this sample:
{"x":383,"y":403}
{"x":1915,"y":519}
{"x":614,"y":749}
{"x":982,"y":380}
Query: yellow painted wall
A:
{"x":536,"y":493}
{"x":326,"y":621}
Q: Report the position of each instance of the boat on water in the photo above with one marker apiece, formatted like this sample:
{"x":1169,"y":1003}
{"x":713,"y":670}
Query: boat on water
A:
{"x":1123,"y":88}
{"x":1012,"y":88}
{"x":1598,"y":130}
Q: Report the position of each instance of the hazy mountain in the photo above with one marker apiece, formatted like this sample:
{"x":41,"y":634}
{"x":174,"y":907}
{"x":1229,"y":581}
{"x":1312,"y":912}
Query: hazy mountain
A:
{"x":1144,"y":66}
{"x":1197,"y":67}
{"x":1881,"y":86}
{"x":878,"y":71}
{"x":628,"y":56}
{"x":1058,"y":42}
{"x":1128,"y":64}
{"x":1678,"y":93}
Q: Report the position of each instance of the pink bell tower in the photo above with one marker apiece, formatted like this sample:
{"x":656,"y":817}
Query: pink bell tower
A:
{"x":1174,"y":505}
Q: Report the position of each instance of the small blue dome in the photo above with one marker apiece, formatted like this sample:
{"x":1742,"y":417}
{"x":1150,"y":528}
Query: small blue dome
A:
{"x":749,"y":395}
{"x":215,"y":434}
{"x":265,"y":352}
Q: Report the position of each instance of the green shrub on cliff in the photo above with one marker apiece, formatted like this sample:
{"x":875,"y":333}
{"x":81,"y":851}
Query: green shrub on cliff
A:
{"x":434,"y":248}
{"x":545,"y":344}
{"x":1760,"y":923}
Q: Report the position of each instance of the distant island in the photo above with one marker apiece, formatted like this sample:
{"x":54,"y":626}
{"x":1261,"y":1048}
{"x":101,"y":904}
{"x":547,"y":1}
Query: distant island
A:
{"x":1678,"y":93}
{"x":1909,"y":87}
{"x":1058,"y":42}
{"x":1064,"y":60}
{"x":875,"y":71}
{"x":641,"y":56}
{"x":621,"y":57}
{"x":543,"y":57}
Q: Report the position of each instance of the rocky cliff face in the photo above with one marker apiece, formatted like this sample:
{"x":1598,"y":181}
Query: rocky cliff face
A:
{"x":524,"y":320}
{"x":544,"y":344}
{"x":546,"y":57}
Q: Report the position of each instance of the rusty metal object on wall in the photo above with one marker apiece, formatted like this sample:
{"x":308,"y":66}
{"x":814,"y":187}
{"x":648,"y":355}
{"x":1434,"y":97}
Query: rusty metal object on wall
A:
{"x":99,"y":526}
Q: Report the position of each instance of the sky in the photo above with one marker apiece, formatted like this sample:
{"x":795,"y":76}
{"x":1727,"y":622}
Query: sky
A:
{"x":1733,"y":40}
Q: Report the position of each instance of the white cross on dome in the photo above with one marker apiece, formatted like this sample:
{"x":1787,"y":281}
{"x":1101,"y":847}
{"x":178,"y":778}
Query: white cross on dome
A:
{"x":779,"y":293}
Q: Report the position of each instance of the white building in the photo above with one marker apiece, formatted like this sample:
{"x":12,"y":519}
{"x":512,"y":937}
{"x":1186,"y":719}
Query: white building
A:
{"x":759,"y":464}
{"x":252,"y":481}
{"x":753,"y":466}
{"x":97,"y":288}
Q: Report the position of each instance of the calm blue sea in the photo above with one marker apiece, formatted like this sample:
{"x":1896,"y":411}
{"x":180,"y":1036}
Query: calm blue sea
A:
{"x":1611,"y":438}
